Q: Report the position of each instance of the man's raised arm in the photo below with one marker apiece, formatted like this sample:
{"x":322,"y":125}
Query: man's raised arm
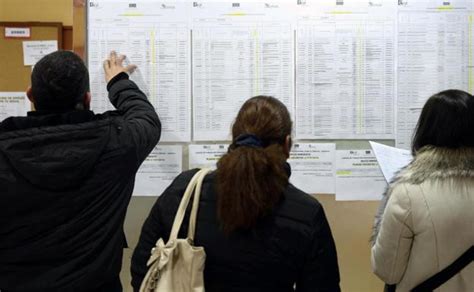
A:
{"x":138,"y":113}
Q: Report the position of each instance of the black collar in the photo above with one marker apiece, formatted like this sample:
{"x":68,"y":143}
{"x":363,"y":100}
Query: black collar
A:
{"x":46,"y":119}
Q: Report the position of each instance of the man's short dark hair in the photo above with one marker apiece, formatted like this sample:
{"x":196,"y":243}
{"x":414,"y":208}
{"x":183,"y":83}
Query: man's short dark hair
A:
{"x":447,"y":120}
{"x":59,"y":82}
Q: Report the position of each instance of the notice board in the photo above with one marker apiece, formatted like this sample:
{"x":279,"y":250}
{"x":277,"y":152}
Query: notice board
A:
{"x":14,"y":75}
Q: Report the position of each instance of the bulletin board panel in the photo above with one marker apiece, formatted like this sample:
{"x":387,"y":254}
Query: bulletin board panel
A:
{"x":14,"y":75}
{"x":351,"y":225}
{"x":351,"y":221}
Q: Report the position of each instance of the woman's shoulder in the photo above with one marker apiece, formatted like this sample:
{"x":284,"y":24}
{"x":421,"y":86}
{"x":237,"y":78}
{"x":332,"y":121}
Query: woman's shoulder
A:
{"x":294,"y":194}
{"x":177,"y":187}
{"x":299,"y":206}
{"x":185,"y":177}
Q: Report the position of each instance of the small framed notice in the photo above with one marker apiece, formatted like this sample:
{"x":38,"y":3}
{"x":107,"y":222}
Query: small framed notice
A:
{"x":17,"y":32}
{"x":33,"y":51}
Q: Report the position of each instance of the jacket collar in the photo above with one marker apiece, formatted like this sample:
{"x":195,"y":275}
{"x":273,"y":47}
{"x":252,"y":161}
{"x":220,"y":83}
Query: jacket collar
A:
{"x":45,"y":119}
{"x":438,"y":163}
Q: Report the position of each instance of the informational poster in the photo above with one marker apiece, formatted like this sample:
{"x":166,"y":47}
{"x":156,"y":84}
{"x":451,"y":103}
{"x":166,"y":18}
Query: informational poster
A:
{"x":13,"y":104}
{"x":33,"y":51}
{"x":206,"y":156}
{"x":240,"y":50}
{"x":159,"y":170}
{"x":313,"y":167}
{"x":358,"y":176}
{"x":345,"y":70}
{"x":435,"y":52}
{"x":156,"y":37}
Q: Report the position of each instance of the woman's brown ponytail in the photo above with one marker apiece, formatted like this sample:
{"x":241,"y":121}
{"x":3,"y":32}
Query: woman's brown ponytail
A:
{"x":251,"y":177}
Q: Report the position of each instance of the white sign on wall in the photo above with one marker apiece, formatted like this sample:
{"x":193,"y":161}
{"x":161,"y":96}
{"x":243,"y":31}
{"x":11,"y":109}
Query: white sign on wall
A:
{"x":33,"y":51}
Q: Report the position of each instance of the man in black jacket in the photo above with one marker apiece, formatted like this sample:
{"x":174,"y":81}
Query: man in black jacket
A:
{"x":66,"y":178}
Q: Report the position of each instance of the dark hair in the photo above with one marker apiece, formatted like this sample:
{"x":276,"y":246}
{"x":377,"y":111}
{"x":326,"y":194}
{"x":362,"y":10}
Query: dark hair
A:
{"x":447,"y":120}
{"x":251,"y":180}
{"x":59,"y":81}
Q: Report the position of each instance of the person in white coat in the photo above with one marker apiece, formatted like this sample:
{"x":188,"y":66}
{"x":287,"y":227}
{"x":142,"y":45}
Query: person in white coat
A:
{"x":426,"y":218}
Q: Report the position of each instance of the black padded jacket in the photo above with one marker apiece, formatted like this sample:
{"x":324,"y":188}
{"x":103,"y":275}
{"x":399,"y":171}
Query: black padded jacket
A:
{"x":65,"y":183}
{"x":290,"y":250}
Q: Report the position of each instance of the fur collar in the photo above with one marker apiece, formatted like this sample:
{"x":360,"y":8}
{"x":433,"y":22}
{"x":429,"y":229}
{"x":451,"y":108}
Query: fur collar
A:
{"x":438,"y":163}
{"x":430,"y":163}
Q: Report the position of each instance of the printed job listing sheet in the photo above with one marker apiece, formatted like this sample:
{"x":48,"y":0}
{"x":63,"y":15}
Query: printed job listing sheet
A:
{"x":435,"y":53}
{"x":156,"y":37}
{"x":239,"y":50}
{"x":345,"y":70}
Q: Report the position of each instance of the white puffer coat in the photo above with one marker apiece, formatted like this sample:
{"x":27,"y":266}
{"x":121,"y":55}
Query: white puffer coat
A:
{"x":426,"y":220}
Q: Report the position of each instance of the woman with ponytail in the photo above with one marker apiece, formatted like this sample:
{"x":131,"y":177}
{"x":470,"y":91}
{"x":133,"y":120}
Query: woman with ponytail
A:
{"x":260,"y":233}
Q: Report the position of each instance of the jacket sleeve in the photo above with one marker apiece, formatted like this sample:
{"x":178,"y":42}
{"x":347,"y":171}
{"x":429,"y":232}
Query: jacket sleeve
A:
{"x":140,"y":119}
{"x":392,"y":246}
{"x":320,"y":271}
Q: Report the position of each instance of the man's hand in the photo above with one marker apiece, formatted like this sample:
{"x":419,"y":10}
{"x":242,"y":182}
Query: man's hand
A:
{"x":114,"y":66}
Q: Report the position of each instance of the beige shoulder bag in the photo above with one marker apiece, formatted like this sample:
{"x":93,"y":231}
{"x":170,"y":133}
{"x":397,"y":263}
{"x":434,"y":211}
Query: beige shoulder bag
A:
{"x":178,"y":265}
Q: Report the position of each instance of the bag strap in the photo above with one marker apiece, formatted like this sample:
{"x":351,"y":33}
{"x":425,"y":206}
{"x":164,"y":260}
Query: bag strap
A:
{"x":447,"y":273}
{"x":180,"y":213}
{"x":178,"y":219}
{"x":195,"y":208}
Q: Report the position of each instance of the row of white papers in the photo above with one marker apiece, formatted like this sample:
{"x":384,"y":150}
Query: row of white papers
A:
{"x":316,"y":168}
{"x":337,"y":65}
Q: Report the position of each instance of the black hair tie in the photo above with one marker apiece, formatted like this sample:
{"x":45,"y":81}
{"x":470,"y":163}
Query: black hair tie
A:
{"x":249,"y":140}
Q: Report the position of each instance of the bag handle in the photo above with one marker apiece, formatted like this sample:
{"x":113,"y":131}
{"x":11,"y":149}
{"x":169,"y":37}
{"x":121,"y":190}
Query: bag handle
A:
{"x":195,"y":208}
{"x":178,"y":219}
